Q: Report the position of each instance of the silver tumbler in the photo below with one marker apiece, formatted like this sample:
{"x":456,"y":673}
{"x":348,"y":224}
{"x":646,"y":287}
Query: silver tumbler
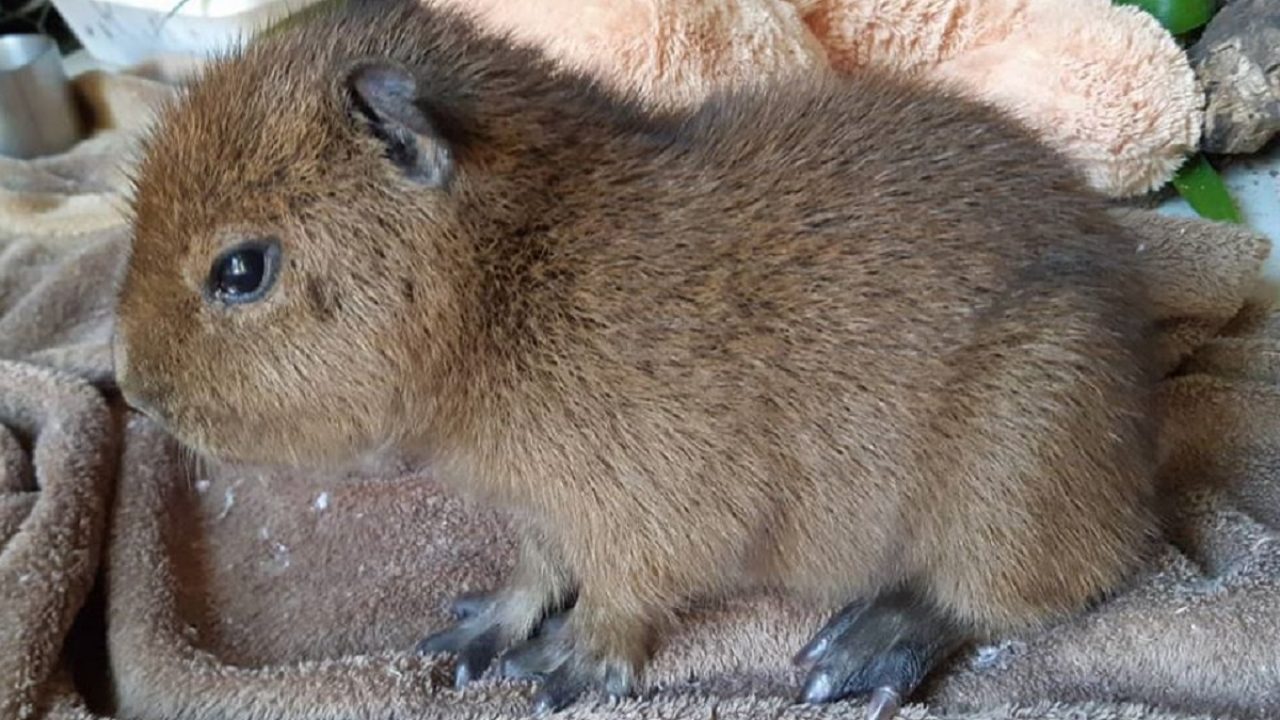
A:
{"x":38,"y":112}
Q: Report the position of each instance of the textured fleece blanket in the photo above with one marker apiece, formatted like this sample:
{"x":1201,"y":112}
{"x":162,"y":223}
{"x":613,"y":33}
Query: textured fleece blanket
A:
{"x":136,"y":583}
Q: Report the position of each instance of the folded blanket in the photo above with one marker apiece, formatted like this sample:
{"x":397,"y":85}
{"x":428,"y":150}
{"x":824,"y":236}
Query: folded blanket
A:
{"x":136,"y":583}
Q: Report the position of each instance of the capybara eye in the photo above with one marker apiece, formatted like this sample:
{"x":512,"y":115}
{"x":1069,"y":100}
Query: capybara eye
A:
{"x":245,"y":272}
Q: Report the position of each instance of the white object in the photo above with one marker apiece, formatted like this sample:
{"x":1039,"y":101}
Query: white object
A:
{"x":38,"y":114}
{"x":128,"y":32}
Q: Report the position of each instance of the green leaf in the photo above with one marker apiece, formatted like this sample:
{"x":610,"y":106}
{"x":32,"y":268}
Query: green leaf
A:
{"x":1203,"y":189}
{"x":1177,"y":16}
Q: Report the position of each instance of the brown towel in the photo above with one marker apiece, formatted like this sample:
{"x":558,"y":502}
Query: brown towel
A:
{"x":233,"y":593}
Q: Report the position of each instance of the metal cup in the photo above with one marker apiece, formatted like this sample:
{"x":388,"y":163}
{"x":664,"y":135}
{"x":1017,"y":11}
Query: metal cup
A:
{"x":38,"y":112}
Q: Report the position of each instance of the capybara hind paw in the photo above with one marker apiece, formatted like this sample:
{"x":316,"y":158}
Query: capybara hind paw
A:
{"x":884,"y":648}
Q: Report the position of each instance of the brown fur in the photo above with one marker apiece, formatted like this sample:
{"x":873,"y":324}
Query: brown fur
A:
{"x":826,"y":336}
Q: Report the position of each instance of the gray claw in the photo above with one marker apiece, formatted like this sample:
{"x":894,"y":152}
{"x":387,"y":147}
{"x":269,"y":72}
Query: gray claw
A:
{"x":818,"y":689}
{"x":884,"y":704}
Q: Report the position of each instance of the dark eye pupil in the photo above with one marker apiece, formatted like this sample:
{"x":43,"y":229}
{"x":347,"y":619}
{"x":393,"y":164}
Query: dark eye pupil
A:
{"x":241,"y":273}
{"x":244,"y":273}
